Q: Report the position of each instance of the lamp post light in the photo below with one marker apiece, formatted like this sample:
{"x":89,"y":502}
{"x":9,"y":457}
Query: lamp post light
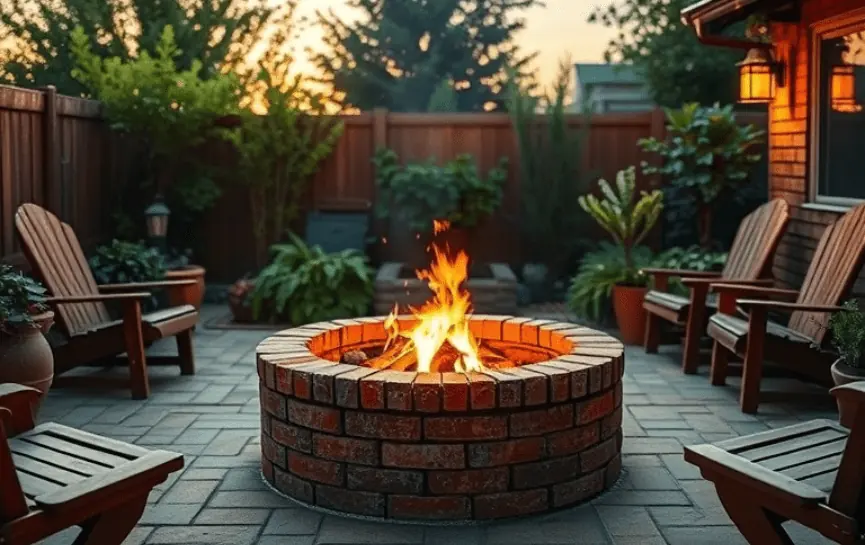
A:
{"x":156,"y":218}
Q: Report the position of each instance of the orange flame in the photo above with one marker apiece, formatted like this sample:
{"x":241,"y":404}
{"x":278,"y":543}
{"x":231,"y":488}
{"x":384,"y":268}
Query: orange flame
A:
{"x":442,"y":320}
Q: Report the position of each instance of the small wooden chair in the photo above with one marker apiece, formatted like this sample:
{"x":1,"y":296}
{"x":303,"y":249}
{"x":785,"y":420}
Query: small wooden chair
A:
{"x":811,"y":473}
{"x":801,"y":344}
{"x":749,"y":261}
{"x":54,"y":477}
{"x":92,"y":335}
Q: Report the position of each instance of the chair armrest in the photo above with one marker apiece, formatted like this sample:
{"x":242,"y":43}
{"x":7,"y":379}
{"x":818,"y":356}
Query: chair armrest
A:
{"x":782,"y":305}
{"x":20,"y":400}
{"x":140,"y":286}
{"x":154,"y":467}
{"x":760,"y":291}
{"x":681,"y":273}
{"x":767,"y":282}
{"x":735,"y":469}
{"x":97,"y":297}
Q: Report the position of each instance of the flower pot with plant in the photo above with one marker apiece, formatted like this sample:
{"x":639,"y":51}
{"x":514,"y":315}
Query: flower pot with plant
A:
{"x":25,"y":355}
{"x":305,"y":284}
{"x":123,"y":262}
{"x":848,"y":336}
{"x":628,"y":220}
{"x":178,"y":267}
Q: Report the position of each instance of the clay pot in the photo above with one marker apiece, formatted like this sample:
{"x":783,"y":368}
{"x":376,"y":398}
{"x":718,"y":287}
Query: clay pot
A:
{"x":845,"y":374}
{"x":630,"y":315}
{"x":25,"y":356}
{"x":190,"y":295}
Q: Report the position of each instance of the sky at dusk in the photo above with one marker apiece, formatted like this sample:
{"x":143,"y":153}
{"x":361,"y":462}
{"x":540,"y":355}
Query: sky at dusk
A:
{"x":553,"y":31}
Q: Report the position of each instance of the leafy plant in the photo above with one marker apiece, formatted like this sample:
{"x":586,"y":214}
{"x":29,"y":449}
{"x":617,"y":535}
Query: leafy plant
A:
{"x":21,"y":297}
{"x":422,"y":192}
{"x":848,"y":333}
{"x":707,"y":154}
{"x":628,"y":220}
{"x":590,"y":289}
{"x":175,"y":260}
{"x":551,"y":176}
{"x":693,"y":258}
{"x":306,"y":284}
{"x":280,"y":147}
{"x":122,"y":262}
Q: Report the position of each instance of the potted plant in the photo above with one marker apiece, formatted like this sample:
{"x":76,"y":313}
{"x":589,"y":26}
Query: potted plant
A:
{"x":416,"y":195}
{"x":628,"y":220}
{"x":25,"y":355}
{"x":305,"y":284}
{"x":178,"y":267}
{"x":123,"y":262}
{"x":848,"y":336}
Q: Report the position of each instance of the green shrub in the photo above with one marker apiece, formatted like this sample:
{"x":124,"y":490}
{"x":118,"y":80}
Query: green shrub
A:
{"x":122,"y":262}
{"x":21,"y":298}
{"x":693,"y":258}
{"x":848,"y":333}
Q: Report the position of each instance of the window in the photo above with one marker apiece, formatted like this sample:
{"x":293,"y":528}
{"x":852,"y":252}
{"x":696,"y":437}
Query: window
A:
{"x":839,"y":115}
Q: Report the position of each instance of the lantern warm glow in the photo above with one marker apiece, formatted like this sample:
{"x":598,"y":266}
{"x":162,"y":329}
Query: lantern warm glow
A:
{"x":843,"y":87}
{"x":757,"y":77}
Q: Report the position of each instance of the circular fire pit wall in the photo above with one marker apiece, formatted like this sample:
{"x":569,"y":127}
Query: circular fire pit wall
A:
{"x":440,"y":446}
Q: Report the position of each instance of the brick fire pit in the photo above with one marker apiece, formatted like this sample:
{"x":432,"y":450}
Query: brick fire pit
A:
{"x":441,"y":446}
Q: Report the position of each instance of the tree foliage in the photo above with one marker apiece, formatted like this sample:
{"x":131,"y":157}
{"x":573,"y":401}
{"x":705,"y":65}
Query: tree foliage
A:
{"x":676,"y":66}
{"x":218,"y":34}
{"x":400,"y":53}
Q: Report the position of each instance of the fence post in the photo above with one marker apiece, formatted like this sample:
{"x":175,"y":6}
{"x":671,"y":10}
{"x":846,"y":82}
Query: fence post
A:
{"x":51,"y":160}
{"x":379,"y":227}
{"x":379,"y":128}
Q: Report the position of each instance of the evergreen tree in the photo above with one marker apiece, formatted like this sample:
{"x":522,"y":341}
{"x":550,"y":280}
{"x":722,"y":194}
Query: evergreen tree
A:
{"x":398,"y":52}
{"x":218,"y":33}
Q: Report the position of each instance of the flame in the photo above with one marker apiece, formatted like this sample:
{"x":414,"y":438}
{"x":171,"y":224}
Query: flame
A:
{"x":443,"y":320}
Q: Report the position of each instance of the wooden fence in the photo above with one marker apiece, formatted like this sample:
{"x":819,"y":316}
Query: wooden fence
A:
{"x":56,"y":151}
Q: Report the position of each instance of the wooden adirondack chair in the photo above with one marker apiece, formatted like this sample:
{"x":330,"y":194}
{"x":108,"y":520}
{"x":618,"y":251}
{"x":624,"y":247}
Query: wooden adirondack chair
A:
{"x":750,"y":260}
{"x":54,"y":477}
{"x":92,"y":335}
{"x":800,"y":345}
{"x":811,"y":473}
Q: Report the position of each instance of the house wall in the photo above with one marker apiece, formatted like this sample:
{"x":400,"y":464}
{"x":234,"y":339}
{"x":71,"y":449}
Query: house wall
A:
{"x":789,"y":141}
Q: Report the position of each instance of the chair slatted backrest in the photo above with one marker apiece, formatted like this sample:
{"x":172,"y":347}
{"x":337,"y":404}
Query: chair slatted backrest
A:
{"x":756,"y":240}
{"x":832,"y":273}
{"x":54,"y":253}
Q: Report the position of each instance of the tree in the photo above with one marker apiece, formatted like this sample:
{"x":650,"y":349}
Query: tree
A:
{"x":398,"y":53}
{"x":677,"y":68}
{"x":219,"y":34}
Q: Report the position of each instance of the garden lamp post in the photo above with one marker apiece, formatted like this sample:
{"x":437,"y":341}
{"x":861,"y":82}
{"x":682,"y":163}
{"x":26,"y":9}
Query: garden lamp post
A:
{"x":156,"y":218}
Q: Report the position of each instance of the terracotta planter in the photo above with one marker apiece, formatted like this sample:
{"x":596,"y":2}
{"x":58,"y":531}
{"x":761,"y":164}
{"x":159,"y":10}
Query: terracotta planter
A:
{"x":26,"y":358}
{"x":191,"y":295}
{"x":630,"y":316}
{"x":845,"y":374}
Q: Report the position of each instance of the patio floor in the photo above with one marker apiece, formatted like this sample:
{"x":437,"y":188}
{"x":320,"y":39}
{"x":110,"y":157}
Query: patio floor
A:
{"x":219,"y":497}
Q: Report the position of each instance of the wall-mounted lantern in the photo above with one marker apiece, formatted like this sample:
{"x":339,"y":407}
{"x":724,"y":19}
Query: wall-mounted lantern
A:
{"x":759,"y":73}
{"x":843,"y":89}
{"x":156,"y":218}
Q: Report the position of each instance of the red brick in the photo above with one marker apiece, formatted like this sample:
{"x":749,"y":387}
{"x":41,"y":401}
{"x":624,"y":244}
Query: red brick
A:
{"x":578,"y":490}
{"x":283,"y":380}
{"x":465,"y":428}
{"x":417,"y":507}
{"x":546,"y":333}
{"x":510,"y":504}
{"x":372,"y":390}
{"x":314,"y":416}
{"x":302,"y":377}
{"x":511,"y":329}
{"x":345,"y":449}
{"x":506,"y":452}
{"x":284,"y":366}
{"x":598,"y":456}
{"x":534,"y":385}
{"x":579,"y":375}
{"x":509,"y":388}
{"x":530,"y":332}
{"x":292,"y":436}
{"x":350,"y":501}
{"x":265,"y":422}
{"x":267,"y":469}
{"x":611,"y":423}
{"x":541,"y":421}
{"x":559,"y":379}
{"x":323,"y":387}
{"x":427,"y":392}
{"x":596,"y":376}
{"x":595,"y":408}
{"x":273,"y":402}
{"x":348,"y":387}
{"x":316,"y":469}
{"x":272,"y":451}
{"x":546,"y":472}
{"x":423,"y":456}
{"x":383,"y":426}
{"x":398,"y":390}
{"x":572,"y":441}
{"x":293,"y":486}
{"x":482,"y":391}
{"x":617,"y":393}
{"x":455,"y":392}
{"x":390,"y":481}
{"x":469,"y":481}
{"x":607,"y":375}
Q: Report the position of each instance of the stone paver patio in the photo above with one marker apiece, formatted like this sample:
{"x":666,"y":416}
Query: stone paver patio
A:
{"x":219,"y":498}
